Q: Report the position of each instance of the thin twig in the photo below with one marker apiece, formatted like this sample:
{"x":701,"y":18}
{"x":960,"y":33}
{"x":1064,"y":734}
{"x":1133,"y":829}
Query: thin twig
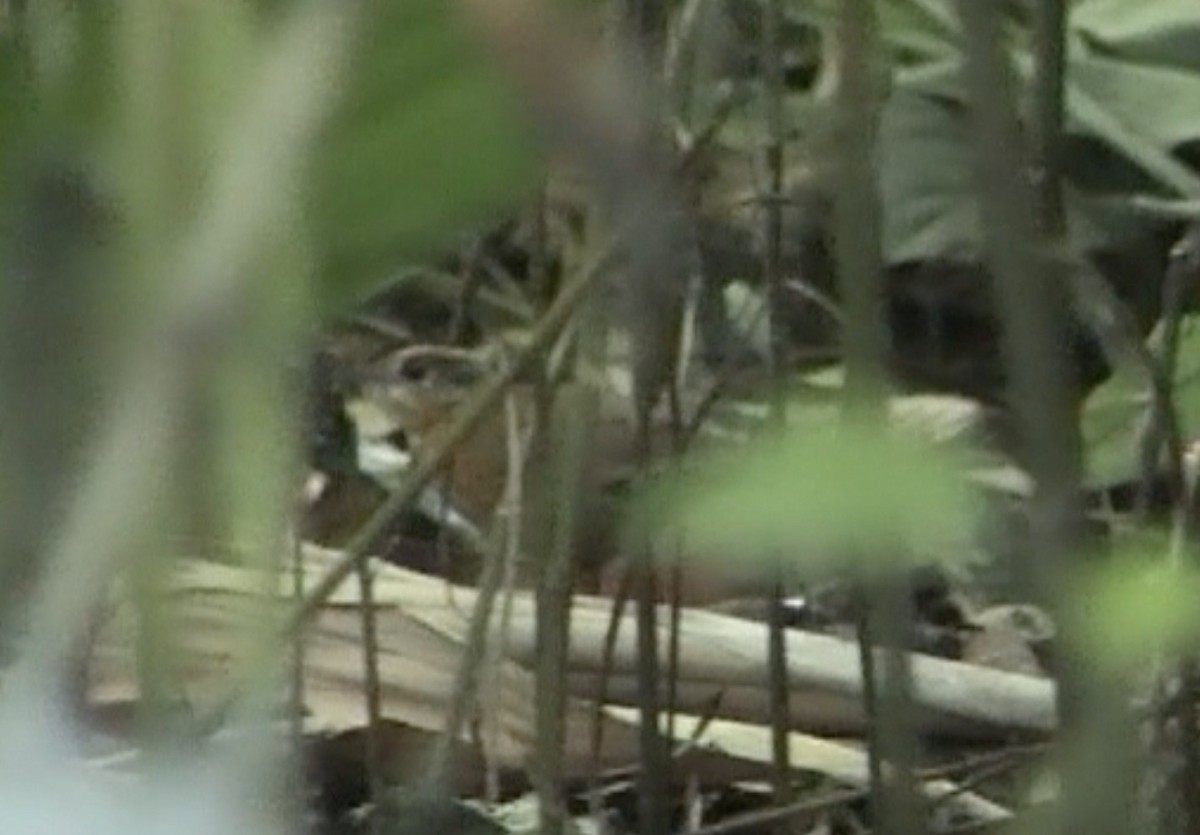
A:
{"x":653,"y":781}
{"x":557,"y":564}
{"x":1032,"y":297}
{"x":1162,"y":424}
{"x":554,"y":588}
{"x":782,"y":814}
{"x":812,"y":294}
{"x":467,"y":676}
{"x":509,"y":515}
{"x":596,"y":743}
{"x":297,"y":712}
{"x":371,"y":694}
{"x":537,"y":532}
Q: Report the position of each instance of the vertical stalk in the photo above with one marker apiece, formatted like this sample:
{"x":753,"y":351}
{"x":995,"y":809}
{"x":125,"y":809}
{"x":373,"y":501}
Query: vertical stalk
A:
{"x":554,"y":588}
{"x":565,"y":404}
{"x":1161,"y":432}
{"x":373,"y":752}
{"x":1023,"y":232}
{"x":773,"y":274}
{"x":856,"y":211}
{"x":439,"y":774}
{"x":1030,"y":296}
{"x":884,"y":619}
{"x":578,"y":402}
{"x":1049,"y":73}
{"x":297,"y":706}
{"x":652,"y":779}
{"x":145,"y":74}
{"x":537,"y":527}
{"x":297,"y":765}
{"x":654,"y":329}
{"x":538,"y":533}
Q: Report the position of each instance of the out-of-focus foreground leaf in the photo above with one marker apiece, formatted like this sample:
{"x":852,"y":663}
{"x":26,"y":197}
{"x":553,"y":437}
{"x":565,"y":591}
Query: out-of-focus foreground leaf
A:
{"x":428,"y":140}
{"x":1136,"y":608}
{"x":821,"y":494}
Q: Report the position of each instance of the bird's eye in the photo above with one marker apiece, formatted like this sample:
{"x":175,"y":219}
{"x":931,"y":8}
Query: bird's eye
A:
{"x":400,"y":440}
{"x":417,"y":372}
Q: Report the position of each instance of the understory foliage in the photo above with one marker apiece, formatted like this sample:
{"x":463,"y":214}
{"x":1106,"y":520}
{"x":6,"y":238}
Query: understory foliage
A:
{"x":191,"y":191}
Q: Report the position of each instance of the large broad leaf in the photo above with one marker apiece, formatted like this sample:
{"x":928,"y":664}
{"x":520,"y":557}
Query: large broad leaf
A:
{"x":1170,"y":116}
{"x":1116,"y":411}
{"x":1122,"y":137}
{"x":1119,"y":53}
{"x":928,"y":182}
{"x":1160,"y":32}
{"x":428,"y":140}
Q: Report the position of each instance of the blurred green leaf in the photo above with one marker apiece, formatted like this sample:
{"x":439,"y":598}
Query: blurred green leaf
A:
{"x":1128,"y":613}
{"x":823,"y":494}
{"x":55,"y":105}
{"x":15,"y":99}
{"x":427,"y":141}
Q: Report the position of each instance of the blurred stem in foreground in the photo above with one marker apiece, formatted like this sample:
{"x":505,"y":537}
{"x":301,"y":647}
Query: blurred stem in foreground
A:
{"x":233,"y":263}
{"x":52,"y":346}
{"x":885,"y":616}
{"x":1031,"y":290}
{"x":1031,"y":299}
{"x":856,"y":209}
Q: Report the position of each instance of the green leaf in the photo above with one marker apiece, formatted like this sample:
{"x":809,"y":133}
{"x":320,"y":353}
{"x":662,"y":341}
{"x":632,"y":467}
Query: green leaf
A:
{"x":1115,"y":412}
{"x":919,"y":30}
{"x":1129,"y":613}
{"x":428,"y":141}
{"x":1170,"y":117}
{"x":15,"y":99}
{"x":823,"y":494}
{"x":56,"y":98}
{"x":928,"y":183}
{"x":1121,"y":138}
{"x":1150,"y":32}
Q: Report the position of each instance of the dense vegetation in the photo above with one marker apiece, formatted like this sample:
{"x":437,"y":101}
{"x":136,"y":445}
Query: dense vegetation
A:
{"x":889,"y":303}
